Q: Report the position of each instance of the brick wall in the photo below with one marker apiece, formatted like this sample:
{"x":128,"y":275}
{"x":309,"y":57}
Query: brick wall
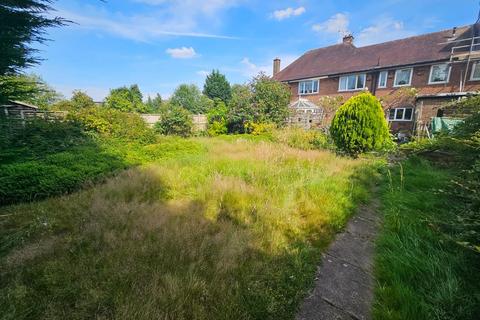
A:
{"x":420,"y":78}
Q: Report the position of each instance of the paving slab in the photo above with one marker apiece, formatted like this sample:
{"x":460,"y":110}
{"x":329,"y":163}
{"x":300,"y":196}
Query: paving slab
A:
{"x":344,"y":282}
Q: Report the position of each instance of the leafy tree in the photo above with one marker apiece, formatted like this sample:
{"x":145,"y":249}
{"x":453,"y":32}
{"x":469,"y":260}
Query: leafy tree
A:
{"x":80,"y":100}
{"x":28,"y":88}
{"x":22,"y":23}
{"x":190,"y":98}
{"x":271,"y":99}
{"x":154,"y":105}
{"x":127,"y":99}
{"x":240,"y":110}
{"x":217,"y":87}
{"x":174,"y":120}
{"x":217,"y":118}
{"x":360,"y":125}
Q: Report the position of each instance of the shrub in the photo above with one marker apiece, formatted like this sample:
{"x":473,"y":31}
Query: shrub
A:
{"x":359,"y":125}
{"x":190,"y":98}
{"x":240,"y":109}
{"x":127,"y":99}
{"x":302,"y":139}
{"x":174,"y":120}
{"x":259,"y":128}
{"x":271,"y":98}
{"x":217,"y":118}
{"x":114,"y":123}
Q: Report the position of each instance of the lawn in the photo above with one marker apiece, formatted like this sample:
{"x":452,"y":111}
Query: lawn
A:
{"x":423,"y":267}
{"x":200,"y":228}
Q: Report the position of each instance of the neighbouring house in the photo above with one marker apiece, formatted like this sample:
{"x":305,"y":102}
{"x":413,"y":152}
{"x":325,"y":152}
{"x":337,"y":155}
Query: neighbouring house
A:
{"x":441,"y":66}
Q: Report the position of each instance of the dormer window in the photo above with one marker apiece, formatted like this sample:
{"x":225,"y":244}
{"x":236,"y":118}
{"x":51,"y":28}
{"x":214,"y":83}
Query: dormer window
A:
{"x":308,"y":87}
{"x":403,"y":77}
{"x":352,"y":82}
{"x":439,"y":73}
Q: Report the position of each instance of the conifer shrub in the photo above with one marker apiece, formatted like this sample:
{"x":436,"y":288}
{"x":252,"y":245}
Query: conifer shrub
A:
{"x":360,"y":125}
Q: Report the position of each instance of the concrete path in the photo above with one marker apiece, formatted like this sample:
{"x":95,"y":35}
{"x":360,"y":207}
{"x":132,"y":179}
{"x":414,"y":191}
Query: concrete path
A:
{"x":344,"y":282}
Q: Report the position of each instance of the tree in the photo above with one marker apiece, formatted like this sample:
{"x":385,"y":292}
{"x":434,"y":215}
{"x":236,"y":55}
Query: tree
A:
{"x":190,"y":98}
{"x":240,"y":109}
{"x":154,"y":105}
{"x":360,"y":125}
{"x":217,"y":87}
{"x":217,"y":118}
{"x":28,"y":88}
{"x":127,"y":99}
{"x":174,"y":120}
{"x":22,"y":23}
{"x":80,"y":100}
{"x":271,"y":99}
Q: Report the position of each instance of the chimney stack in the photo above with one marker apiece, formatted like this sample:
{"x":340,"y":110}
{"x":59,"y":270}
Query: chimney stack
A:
{"x":276,"y":66}
{"x":348,"y":39}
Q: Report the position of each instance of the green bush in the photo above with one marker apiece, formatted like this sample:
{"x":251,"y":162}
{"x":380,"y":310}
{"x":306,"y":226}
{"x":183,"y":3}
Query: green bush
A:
{"x":217,"y":118}
{"x":359,"y":125}
{"x":114,"y":123}
{"x":302,"y":139}
{"x":175,"y":120}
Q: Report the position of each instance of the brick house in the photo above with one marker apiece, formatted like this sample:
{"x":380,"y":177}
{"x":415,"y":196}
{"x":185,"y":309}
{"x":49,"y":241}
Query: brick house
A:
{"x":441,"y":66}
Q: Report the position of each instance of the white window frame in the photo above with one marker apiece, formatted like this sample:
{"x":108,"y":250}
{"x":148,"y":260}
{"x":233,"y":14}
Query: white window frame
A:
{"x":313,"y":86}
{"x":431,"y":73}
{"x":380,"y":77}
{"x":403,"y":117}
{"x":403,"y":85}
{"x":364,"y":75}
{"x":475,"y":65}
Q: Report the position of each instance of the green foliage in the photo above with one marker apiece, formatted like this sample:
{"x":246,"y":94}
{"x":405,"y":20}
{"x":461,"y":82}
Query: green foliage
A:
{"x":303,"y":139}
{"x":154,"y":105}
{"x":126,"y":99}
{"x":260,"y":128}
{"x":190,"y":98}
{"x":240,"y":109}
{"x":217,"y":118}
{"x":114,"y":123}
{"x":23,"y":24}
{"x":80,"y":100}
{"x":426,"y":263}
{"x":217,"y":87}
{"x":174,"y":120}
{"x":360,"y":126}
{"x":271,"y":99}
{"x":28,"y":88}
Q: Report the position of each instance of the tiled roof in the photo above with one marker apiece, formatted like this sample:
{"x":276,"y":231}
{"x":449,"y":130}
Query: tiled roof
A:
{"x":346,"y":58}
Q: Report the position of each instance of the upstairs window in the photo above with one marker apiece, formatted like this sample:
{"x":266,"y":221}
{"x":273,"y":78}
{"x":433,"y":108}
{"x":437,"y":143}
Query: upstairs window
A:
{"x":475,"y":71}
{"x":439,"y":73}
{"x":403,"y":77}
{"x":400,"y":114}
{"x":382,"y":79}
{"x":352,"y":82}
{"x":308,"y":87}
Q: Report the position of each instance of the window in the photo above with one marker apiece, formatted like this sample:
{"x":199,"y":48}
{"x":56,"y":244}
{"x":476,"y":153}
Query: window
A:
{"x":352,"y":82}
{"x":403,"y":77}
{"x":382,"y":79}
{"x":475,"y":71}
{"x":308,"y":87}
{"x":400,"y":114}
{"x":439,"y":73}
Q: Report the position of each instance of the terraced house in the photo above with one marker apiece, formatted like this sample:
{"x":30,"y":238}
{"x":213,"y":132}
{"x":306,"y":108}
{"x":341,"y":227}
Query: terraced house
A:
{"x":441,"y":66}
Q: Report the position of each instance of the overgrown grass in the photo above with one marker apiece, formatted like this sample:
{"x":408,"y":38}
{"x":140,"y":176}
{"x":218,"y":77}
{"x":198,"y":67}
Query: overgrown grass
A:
{"x":231,"y":230}
{"x":423,"y":268}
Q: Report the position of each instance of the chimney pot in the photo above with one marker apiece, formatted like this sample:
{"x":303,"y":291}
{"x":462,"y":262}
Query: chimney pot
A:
{"x":348,"y":39}
{"x":276,"y":66}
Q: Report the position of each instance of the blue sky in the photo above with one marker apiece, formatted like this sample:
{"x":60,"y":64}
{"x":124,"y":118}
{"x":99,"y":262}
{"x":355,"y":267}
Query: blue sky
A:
{"x":159,"y":44}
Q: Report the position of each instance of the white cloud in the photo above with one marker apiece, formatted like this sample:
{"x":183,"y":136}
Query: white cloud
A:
{"x":385,"y":29}
{"x":249,"y":69}
{"x":188,"y":18}
{"x":336,"y":24}
{"x":287,"y":13}
{"x":181,"y":53}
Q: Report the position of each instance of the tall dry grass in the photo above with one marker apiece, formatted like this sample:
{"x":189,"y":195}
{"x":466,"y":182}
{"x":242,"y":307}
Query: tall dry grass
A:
{"x":234,"y":233}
